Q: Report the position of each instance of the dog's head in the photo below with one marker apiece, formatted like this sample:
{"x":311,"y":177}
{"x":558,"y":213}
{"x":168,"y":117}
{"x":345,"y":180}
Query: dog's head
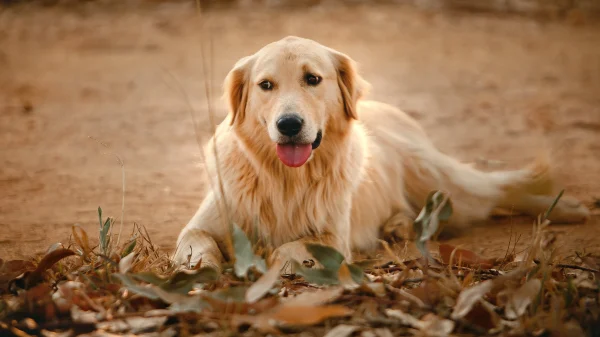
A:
{"x":294,"y":90}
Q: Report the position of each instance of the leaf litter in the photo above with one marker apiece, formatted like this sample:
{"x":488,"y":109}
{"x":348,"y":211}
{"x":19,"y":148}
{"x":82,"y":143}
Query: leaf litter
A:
{"x":133,"y":289}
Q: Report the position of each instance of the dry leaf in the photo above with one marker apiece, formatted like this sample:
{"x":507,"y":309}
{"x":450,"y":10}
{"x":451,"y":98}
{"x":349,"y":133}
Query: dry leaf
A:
{"x":464,"y":257}
{"x":81,"y":239}
{"x":469,"y":297}
{"x":46,"y":263}
{"x":482,"y":316}
{"x":374,"y":288}
{"x":126,"y":263}
{"x":404,"y":318}
{"x":342,"y":330}
{"x":305,"y":315}
{"x":383,"y":332}
{"x":520,"y":299}
{"x":144,"y":324}
{"x":436,"y":326}
{"x":428,"y":292}
{"x":345,"y":277}
{"x":259,"y":288}
{"x":291,"y":316}
{"x":315,"y":298}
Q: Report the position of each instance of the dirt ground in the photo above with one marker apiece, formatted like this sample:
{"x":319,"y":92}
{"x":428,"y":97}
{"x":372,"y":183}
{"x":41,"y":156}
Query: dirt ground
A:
{"x":499,"y":88}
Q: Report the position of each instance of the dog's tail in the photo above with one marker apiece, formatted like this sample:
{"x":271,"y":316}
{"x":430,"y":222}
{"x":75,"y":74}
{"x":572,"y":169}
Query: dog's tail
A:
{"x":474,"y":193}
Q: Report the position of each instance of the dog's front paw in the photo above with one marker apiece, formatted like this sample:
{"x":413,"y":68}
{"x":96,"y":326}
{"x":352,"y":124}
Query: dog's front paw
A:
{"x":293,"y":251}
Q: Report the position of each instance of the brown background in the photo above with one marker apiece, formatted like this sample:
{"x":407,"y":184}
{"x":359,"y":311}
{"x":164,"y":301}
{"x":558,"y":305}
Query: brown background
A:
{"x":490,"y":86}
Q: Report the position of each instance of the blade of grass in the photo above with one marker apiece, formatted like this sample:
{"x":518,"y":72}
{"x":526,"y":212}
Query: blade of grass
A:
{"x":122,"y":163}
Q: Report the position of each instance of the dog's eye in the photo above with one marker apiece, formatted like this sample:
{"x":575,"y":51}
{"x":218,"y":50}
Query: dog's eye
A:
{"x":266,"y":85}
{"x":312,"y":79}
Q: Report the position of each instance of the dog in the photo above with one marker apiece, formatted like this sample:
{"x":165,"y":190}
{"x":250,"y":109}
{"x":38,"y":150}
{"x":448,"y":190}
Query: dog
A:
{"x":301,"y":157}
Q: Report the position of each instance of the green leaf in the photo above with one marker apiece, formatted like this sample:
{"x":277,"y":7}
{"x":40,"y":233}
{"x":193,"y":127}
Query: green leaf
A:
{"x":316,"y":276}
{"x":129,"y":248}
{"x":104,"y":229}
{"x":437,"y":208}
{"x":130,"y":285}
{"x":328,"y":256}
{"x":183,"y":281}
{"x":244,"y":255}
{"x":231,"y":294}
{"x":191,"y":304}
{"x":149,"y":277}
{"x":100,"y":216}
{"x":357,"y":273}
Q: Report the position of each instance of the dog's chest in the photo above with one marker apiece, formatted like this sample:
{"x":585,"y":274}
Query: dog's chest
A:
{"x":283,"y":210}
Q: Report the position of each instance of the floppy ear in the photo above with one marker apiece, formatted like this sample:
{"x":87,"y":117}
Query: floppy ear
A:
{"x":236,"y":88}
{"x":352,"y":85}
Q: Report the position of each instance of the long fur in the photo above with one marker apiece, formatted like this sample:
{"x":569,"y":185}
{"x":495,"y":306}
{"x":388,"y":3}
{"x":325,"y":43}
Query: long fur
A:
{"x":375,"y":163}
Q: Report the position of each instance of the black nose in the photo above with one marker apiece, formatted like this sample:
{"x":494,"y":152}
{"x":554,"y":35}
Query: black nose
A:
{"x":289,"y":125}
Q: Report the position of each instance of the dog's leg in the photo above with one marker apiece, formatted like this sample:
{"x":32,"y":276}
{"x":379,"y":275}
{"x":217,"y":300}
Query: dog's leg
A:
{"x":567,"y":210}
{"x":398,"y":227}
{"x":296,"y":250}
{"x":199,"y":240}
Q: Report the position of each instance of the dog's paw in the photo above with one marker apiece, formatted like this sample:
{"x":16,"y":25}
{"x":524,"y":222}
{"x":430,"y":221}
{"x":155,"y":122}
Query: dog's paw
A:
{"x":293,"y":251}
{"x":569,"y":210}
{"x":398,"y":228}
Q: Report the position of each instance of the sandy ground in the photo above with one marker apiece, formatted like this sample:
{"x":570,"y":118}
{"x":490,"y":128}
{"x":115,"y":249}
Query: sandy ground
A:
{"x":483,"y":87}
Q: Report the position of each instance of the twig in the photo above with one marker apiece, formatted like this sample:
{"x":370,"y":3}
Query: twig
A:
{"x":571,"y":266}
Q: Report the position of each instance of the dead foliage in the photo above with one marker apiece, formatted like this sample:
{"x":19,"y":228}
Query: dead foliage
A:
{"x":133,"y":289}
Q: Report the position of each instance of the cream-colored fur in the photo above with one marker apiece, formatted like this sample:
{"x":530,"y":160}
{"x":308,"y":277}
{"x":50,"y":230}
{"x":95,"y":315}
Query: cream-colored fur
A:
{"x":374,"y":167}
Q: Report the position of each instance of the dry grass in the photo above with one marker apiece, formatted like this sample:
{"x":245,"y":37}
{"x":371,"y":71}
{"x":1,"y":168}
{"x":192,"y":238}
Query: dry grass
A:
{"x":134,"y":289}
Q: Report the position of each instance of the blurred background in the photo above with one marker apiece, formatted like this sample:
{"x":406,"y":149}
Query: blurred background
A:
{"x":494,"y":82}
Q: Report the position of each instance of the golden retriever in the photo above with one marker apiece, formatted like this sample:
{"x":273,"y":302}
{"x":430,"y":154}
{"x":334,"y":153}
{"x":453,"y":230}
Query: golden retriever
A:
{"x":301,"y":158}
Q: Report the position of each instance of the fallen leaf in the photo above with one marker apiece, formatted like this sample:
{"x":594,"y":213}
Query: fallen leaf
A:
{"x":374,"y":288}
{"x":169,"y":297}
{"x":520,"y":299}
{"x":288,"y":315}
{"x":190,"y":304}
{"x":342,"y":330}
{"x":404,"y":318}
{"x":314,"y":298}
{"x":37,"y":275}
{"x":244,"y":255}
{"x":482,"y":316}
{"x":259,"y":288}
{"x":184,"y":280}
{"x":146,"y":291}
{"x":436,"y":326}
{"x":145,"y":324}
{"x":428,"y":292}
{"x":149,"y":277}
{"x":469,"y":297}
{"x":345,"y":277}
{"x":383,"y":332}
{"x":464,"y":257}
{"x":126,"y":263}
{"x":316,"y":276}
{"x":329,"y":257}
{"x":294,"y":316}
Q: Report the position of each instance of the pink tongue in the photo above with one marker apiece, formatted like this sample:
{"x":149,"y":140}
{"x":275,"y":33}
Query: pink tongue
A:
{"x":294,"y":155}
